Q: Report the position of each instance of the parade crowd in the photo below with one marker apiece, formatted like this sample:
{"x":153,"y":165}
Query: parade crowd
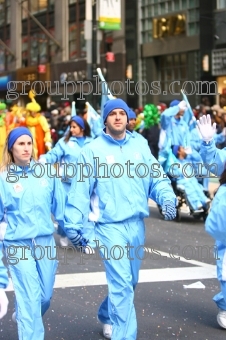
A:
{"x":102,"y":209}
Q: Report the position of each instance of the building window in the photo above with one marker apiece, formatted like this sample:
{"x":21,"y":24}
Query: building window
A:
{"x":77,"y":42}
{"x":172,"y":68}
{"x":38,"y":6}
{"x":8,"y":12}
{"x":2,"y":59}
{"x":5,"y":14}
{"x":25,"y":51}
{"x":157,"y":9}
{"x":82,"y":41}
{"x":72,"y":41}
{"x":221,"y":4}
{"x":37,"y":48}
{"x":24,"y":7}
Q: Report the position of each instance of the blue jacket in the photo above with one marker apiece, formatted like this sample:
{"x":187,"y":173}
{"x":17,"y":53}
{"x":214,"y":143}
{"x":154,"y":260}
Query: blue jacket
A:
{"x":213,"y":157}
{"x":176,"y":130}
{"x":26,"y":205}
{"x":196,"y":140}
{"x":65,"y":152}
{"x":215,"y":222}
{"x":112,"y":191}
{"x":4,"y":281}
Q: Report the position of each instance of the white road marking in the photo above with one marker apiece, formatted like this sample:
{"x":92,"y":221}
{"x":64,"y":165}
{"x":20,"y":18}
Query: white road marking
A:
{"x":204,"y":271}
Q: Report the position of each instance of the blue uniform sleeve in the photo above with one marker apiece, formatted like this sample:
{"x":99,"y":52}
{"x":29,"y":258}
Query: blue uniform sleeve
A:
{"x":4,"y":281}
{"x":160,"y":189}
{"x":3,"y":271}
{"x":55,"y":155}
{"x":167,"y":115}
{"x":195,"y":139}
{"x":78,"y":200}
{"x":58,"y":200}
{"x":219,"y":138}
{"x":215,"y":222}
{"x":214,"y":158}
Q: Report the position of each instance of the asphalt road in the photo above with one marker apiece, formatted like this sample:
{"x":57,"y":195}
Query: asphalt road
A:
{"x":178,"y":254}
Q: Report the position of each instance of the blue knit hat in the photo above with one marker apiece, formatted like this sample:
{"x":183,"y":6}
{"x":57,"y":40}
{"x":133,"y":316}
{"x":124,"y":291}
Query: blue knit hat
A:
{"x":132,"y":114}
{"x":16,"y":133}
{"x":113,"y":104}
{"x":174,"y":103}
{"x":78,"y":120}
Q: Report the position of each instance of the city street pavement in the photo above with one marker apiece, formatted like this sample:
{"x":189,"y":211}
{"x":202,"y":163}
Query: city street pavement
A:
{"x":177,"y":254}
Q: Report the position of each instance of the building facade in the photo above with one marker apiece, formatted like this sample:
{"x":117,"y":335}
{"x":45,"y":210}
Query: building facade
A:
{"x":218,"y":55}
{"x":176,"y":36}
{"x":45,"y":41}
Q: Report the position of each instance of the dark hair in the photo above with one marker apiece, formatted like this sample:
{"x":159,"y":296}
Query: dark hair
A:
{"x":222,"y":179}
{"x":86,"y":131}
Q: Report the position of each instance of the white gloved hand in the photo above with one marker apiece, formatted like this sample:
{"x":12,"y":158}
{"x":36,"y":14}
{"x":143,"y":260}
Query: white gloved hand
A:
{"x":182,"y":105}
{"x":48,"y":145}
{"x":205,"y":128}
{"x":3,"y":303}
{"x":89,"y":250}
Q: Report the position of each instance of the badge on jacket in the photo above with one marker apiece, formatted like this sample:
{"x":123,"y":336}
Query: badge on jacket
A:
{"x":18,"y":187}
{"x":110,"y":159}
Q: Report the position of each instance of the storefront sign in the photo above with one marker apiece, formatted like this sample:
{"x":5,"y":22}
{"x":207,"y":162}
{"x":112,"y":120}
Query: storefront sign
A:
{"x":169,"y":26}
{"x":33,"y":73}
{"x":72,"y":76}
{"x":109,"y":14}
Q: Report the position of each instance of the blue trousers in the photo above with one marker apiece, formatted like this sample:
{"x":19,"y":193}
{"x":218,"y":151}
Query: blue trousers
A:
{"x":33,"y":272}
{"x":121,"y":245}
{"x":194,"y":192}
{"x":220,"y":298}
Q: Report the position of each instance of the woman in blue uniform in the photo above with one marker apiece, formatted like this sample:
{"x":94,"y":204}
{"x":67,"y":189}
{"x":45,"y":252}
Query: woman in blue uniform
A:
{"x":27,"y":200}
{"x":66,"y":153}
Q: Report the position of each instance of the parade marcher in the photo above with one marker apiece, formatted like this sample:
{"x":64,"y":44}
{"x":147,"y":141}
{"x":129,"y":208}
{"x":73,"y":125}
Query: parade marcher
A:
{"x":15,"y":118}
{"x":173,"y":126}
{"x":2,"y":127}
{"x":131,"y":126}
{"x":186,"y":179}
{"x":26,"y":203}
{"x":116,"y":199}
{"x":215,"y":226}
{"x":3,"y":282}
{"x":39,"y":127}
{"x":151,"y":129}
{"x":67,"y":151}
{"x":214,"y":158}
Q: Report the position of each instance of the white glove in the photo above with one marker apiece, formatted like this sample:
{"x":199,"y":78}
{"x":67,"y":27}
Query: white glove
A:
{"x":206,"y":129}
{"x":3,"y":303}
{"x":182,"y":105}
{"x":224,"y":131}
{"x":48,"y":145}
{"x":89,"y":250}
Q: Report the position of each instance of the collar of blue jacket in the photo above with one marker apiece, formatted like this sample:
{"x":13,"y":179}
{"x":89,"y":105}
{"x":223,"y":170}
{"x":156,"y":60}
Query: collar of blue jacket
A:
{"x":112,"y":140}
